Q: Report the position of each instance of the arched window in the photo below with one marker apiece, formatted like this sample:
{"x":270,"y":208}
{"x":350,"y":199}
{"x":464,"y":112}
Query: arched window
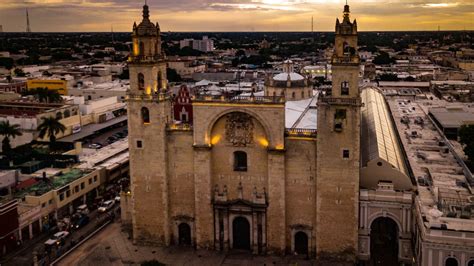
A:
{"x":302,"y":94}
{"x":145,"y":115}
{"x":293,"y":95}
{"x":59,"y":115}
{"x":345,"y":88}
{"x":240,"y":161}
{"x":471,"y":263}
{"x":141,"y":81}
{"x":451,"y":262}
{"x":142,"y":48}
{"x":67,"y":114}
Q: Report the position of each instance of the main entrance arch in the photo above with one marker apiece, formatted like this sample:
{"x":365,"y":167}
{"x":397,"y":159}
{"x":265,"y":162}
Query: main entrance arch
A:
{"x":384,"y":242}
{"x":301,"y":243}
{"x":184,"y":234}
{"x":241,"y":233}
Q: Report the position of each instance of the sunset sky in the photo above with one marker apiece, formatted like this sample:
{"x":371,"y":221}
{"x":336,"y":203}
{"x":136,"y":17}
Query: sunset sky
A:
{"x":235,"y":15}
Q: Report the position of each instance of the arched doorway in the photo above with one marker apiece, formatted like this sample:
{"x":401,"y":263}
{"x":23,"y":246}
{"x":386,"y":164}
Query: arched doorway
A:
{"x":301,"y":243}
{"x":384,"y":242}
{"x":451,"y":262}
{"x":184,"y":234}
{"x":241,"y":233}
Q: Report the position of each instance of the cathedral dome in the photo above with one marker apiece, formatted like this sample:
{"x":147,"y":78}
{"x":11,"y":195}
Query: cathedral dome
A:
{"x":146,"y":27}
{"x":288,"y":76}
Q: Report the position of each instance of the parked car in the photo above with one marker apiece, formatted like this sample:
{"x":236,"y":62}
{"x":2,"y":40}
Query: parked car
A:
{"x":57,"y":238}
{"x":107,"y":205}
{"x":95,"y":146}
{"x":81,"y":222}
{"x":117,"y":199}
{"x":111,"y":139}
{"x":83,"y":209}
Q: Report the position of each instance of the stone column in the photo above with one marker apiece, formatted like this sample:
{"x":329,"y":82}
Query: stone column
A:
{"x":203,"y":210}
{"x":20,"y":235}
{"x":217,"y":230}
{"x":276,"y":214}
{"x":226,"y":230}
{"x":41,"y":224}
{"x":254,"y":233}
{"x":30,"y":228}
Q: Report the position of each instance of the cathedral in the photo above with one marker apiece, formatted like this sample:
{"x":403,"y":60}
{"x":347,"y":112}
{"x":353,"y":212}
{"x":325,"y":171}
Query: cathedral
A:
{"x":251,"y":173}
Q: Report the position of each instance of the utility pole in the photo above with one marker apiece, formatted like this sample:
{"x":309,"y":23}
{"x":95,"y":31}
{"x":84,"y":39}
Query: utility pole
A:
{"x":28,"y":28}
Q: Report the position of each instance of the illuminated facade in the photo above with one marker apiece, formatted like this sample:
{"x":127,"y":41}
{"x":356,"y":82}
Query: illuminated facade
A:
{"x":238,"y":177}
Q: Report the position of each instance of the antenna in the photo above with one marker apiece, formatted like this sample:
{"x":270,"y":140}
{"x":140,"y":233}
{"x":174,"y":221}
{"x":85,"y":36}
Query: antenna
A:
{"x":112,"y":29}
{"x":28,"y":28}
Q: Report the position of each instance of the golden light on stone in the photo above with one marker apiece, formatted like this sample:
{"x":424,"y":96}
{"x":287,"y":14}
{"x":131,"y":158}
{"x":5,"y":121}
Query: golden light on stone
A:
{"x":263,"y":142}
{"x":216,"y":139}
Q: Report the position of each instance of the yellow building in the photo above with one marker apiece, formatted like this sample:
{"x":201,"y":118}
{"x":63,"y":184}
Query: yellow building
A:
{"x":50,"y":84}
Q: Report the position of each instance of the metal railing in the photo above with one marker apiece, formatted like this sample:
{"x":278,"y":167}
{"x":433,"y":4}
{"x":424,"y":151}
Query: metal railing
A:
{"x":342,"y":101}
{"x":179,"y":127}
{"x":149,"y":97}
{"x":301,"y":132}
{"x":239,"y":99}
{"x":354,"y":59}
{"x":145,"y":58}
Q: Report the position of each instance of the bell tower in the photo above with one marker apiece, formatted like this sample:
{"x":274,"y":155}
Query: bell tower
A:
{"x":338,"y":151}
{"x":149,"y":112}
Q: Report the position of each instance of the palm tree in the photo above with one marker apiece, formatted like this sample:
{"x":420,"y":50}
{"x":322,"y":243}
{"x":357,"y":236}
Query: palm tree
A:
{"x":44,"y":95}
{"x":50,"y":126}
{"x":8,"y":131}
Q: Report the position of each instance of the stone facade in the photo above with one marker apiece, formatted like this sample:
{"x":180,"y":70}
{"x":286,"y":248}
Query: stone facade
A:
{"x":237,"y":178}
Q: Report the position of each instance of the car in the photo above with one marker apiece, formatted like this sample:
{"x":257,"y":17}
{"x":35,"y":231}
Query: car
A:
{"x":57,"y":238}
{"x":83,"y":209}
{"x":111,"y":139}
{"x":81,"y":222}
{"x":107,"y":205}
{"x":95,"y":146}
{"x":117,"y":199}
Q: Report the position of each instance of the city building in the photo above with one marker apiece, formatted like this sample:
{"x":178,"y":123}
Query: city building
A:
{"x":205,"y":45}
{"x":28,"y":115}
{"x":61,"y":86}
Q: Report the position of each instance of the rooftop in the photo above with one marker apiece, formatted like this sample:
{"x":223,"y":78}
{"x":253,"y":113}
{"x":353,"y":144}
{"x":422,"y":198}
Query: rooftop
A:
{"x":55,"y":182}
{"x":444,"y":191}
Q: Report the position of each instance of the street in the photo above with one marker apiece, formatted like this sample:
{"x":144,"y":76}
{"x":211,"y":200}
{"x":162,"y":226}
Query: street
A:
{"x":24,"y":256}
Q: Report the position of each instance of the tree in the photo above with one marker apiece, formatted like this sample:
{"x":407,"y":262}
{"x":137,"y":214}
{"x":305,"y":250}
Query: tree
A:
{"x":466,"y":138}
{"x":172,"y":75}
{"x":19,"y":72}
{"x":389,"y":77}
{"x":44,"y":95}
{"x":50,"y":127}
{"x":383,"y":59}
{"x":8,"y":131}
{"x":6,"y":62}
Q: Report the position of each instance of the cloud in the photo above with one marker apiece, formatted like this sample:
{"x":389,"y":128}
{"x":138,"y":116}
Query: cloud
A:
{"x":235,"y":15}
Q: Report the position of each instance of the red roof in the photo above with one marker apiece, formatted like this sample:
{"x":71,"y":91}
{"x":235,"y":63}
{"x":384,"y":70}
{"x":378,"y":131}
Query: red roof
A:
{"x":27,"y":183}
